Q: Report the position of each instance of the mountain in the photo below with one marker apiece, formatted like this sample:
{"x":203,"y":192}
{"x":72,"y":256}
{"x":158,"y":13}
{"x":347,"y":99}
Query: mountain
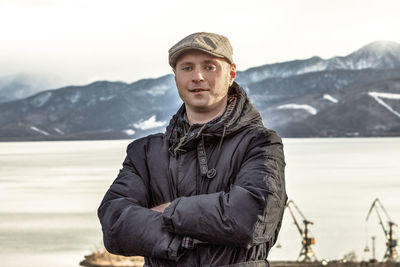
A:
{"x":354,"y":95}
{"x":101,"y":110}
{"x":371,"y":109}
{"x":335,"y":82}
{"x":376,"y":55}
{"x":22,"y":85}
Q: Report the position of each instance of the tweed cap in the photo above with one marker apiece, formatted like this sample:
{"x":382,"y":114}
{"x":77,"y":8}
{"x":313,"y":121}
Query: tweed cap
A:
{"x":210,"y":43}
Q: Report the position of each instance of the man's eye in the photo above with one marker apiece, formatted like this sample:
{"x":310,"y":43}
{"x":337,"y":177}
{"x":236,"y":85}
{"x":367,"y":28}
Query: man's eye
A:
{"x":187,"y":68}
{"x":210,"y":67}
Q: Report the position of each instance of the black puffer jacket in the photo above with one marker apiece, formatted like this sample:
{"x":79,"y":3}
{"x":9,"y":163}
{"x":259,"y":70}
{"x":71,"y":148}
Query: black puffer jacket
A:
{"x":225,"y":180}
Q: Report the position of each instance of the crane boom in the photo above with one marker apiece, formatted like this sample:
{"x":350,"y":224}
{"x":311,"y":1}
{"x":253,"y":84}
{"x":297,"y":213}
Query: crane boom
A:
{"x":294,"y":219}
{"x":307,"y":240}
{"x":391,"y":253}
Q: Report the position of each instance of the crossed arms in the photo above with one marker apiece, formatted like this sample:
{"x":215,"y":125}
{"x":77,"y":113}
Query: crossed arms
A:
{"x":247,"y":215}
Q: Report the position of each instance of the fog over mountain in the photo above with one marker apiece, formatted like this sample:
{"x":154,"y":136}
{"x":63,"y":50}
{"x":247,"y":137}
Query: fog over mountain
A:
{"x":22,"y":85}
{"x":354,"y":95}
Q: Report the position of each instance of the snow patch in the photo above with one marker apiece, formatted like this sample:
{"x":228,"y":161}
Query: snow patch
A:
{"x":75,"y":97}
{"x":40,"y":99}
{"x":384,"y":95}
{"x":307,"y":108}
{"x":39,"y":131}
{"x":129,"y":131}
{"x":158,"y":90}
{"x":106,"y":98}
{"x":330,"y":98}
{"x":59,"y":131}
{"x":151,"y":123}
{"x":319,"y":66}
{"x":378,"y":97}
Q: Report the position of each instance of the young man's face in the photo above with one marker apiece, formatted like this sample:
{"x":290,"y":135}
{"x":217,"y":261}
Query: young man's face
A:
{"x":203,"y":81}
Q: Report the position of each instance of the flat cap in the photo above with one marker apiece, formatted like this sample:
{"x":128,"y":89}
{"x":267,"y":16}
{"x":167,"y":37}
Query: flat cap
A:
{"x":210,"y":43}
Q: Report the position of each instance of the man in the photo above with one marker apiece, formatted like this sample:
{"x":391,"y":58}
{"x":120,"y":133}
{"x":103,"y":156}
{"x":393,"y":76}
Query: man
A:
{"x":211,"y":190}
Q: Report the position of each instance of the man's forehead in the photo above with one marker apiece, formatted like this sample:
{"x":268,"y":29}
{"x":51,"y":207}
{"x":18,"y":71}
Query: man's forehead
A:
{"x":196,"y":56}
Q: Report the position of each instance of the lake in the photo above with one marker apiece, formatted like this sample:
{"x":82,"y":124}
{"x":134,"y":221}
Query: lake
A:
{"x":50,"y":191}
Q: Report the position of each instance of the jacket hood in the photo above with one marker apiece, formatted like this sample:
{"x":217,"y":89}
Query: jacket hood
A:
{"x":239,"y":114}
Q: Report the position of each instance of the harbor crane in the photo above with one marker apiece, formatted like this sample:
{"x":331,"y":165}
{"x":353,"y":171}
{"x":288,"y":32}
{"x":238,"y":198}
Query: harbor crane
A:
{"x":391,"y":243}
{"x":306,"y":253}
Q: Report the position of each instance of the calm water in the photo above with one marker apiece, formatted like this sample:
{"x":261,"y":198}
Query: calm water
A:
{"x":49,"y":193}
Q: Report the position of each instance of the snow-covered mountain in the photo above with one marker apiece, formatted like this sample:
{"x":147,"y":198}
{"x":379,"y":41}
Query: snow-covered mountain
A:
{"x":371,"y":109}
{"x":355,"y":95}
{"x":101,"y":110}
{"x":376,"y":55}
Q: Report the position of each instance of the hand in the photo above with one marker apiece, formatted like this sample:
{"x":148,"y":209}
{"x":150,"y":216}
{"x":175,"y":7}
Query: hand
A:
{"x":161,"y":208}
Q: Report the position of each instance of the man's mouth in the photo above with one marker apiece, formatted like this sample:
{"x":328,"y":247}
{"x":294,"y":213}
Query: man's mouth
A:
{"x":198,"y":90}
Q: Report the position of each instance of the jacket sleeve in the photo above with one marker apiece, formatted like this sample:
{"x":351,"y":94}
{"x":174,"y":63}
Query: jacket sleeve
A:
{"x":129,"y":227}
{"x":250,"y":213}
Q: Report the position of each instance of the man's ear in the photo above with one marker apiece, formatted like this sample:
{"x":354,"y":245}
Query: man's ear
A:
{"x":174,"y":74}
{"x":232,"y":73}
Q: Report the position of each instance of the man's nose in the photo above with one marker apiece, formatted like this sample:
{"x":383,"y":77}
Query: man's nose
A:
{"x":197,"y":75}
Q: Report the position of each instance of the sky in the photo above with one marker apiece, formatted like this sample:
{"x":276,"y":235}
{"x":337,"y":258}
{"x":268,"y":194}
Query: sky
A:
{"x":81,"y":41}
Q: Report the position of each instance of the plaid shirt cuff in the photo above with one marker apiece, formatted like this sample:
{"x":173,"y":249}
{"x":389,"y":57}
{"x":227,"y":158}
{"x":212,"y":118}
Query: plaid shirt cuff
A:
{"x":187,"y":242}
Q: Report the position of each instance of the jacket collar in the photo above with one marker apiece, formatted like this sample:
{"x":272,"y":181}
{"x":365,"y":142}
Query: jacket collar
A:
{"x":239,"y":114}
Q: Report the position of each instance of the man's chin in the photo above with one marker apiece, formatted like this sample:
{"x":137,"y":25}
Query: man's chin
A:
{"x":200,"y":108}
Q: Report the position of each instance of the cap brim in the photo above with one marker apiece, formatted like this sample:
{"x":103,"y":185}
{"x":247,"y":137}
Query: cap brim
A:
{"x":175,"y":56}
